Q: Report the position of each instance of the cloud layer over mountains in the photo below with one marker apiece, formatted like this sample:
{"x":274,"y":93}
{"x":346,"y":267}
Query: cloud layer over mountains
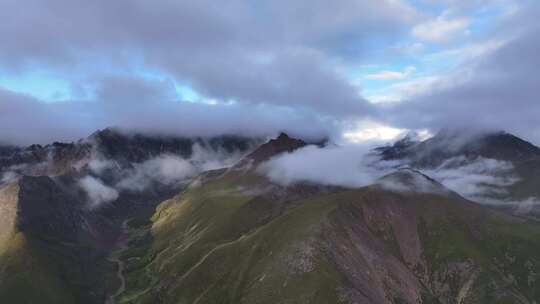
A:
{"x":199,"y":68}
{"x":482,"y":180}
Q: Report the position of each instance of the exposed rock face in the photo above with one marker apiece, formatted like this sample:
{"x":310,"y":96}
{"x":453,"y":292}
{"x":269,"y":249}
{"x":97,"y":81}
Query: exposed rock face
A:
{"x":9,"y":196}
{"x":282,"y":144}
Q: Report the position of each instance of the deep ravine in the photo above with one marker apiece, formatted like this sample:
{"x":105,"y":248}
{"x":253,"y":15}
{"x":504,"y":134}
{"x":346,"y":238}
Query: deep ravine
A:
{"x":115,"y":258}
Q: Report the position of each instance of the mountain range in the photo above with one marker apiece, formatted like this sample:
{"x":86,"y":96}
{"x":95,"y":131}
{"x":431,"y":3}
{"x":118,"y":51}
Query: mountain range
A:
{"x":133,"y":218}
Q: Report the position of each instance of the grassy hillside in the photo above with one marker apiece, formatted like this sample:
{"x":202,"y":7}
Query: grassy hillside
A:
{"x":239,"y":239}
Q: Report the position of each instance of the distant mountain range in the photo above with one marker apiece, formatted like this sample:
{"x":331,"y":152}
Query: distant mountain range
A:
{"x":511,"y":157}
{"x":131,"y":218}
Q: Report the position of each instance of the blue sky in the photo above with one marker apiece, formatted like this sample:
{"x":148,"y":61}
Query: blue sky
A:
{"x":353,"y":67}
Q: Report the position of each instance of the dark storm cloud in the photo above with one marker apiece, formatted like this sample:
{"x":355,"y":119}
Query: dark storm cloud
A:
{"x":499,"y":91}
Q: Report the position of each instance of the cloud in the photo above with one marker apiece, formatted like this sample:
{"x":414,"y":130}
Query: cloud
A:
{"x":406,"y":180}
{"x":256,"y":54}
{"x":366,"y":131}
{"x":25,"y":119}
{"x":392,"y":75}
{"x":497,"y":90}
{"x":99,"y":165}
{"x":98,"y":193}
{"x":524,"y":207}
{"x":146,"y":106}
{"x":347,"y":166}
{"x":480,"y":180}
{"x":153,"y":29}
{"x":8,"y":176}
{"x":171,"y":170}
{"x":208,"y":159}
{"x":443,"y":28}
{"x":164,"y":169}
{"x":260,"y":67}
{"x":357,"y":165}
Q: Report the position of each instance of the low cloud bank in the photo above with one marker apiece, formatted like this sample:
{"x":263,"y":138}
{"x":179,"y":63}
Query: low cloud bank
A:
{"x":347,"y":166}
{"x":98,"y":193}
{"x":166,"y":169}
{"x":481,"y":179}
{"x":163,"y":170}
{"x":105,"y":179}
{"x":26,"y":120}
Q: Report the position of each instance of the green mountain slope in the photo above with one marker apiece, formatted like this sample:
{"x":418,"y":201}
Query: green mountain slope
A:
{"x":238,"y":238}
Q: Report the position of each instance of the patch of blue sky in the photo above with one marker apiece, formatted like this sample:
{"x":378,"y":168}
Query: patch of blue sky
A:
{"x":184,"y":92}
{"x":41,"y":85}
{"x":486,"y":18}
{"x":431,"y":7}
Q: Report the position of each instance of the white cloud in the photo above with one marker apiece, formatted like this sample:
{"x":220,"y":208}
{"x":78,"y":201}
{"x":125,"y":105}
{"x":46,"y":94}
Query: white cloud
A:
{"x":8,"y":177}
{"x":347,"y":166}
{"x":372,"y":131}
{"x":164,"y":169}
{"x":98,"y":165}
{"x":382,"y":99}
{"x":356,"y":165}
{"x":169,"y":169}
{"x":207,"y":159}
{"x":410,"y":49}
{"x":392,"y":75}
{"x":442,"y":29}
{"x":479,"y":180}
{"x":98,"y":193}
{"x":467,"y":53}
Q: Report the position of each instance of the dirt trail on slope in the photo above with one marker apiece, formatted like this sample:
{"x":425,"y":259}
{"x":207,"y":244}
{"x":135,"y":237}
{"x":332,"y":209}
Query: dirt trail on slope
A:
{"x":115,"y":258}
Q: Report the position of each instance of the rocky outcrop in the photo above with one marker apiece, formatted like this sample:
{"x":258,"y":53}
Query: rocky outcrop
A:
{"x":282,"y":144}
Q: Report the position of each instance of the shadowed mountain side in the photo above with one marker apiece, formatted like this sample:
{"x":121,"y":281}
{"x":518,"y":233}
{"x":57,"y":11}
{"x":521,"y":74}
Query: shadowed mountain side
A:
{"x":51,"y":251}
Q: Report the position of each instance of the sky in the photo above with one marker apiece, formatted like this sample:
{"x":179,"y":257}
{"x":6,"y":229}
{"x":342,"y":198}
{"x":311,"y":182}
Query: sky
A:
{"x":353,"y":70}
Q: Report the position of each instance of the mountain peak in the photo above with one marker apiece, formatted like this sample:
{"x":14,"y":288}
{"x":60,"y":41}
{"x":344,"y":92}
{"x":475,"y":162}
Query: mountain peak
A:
{"x":449,"y":143}
{"x":283,"y":143}
{"x":283,"y":136}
